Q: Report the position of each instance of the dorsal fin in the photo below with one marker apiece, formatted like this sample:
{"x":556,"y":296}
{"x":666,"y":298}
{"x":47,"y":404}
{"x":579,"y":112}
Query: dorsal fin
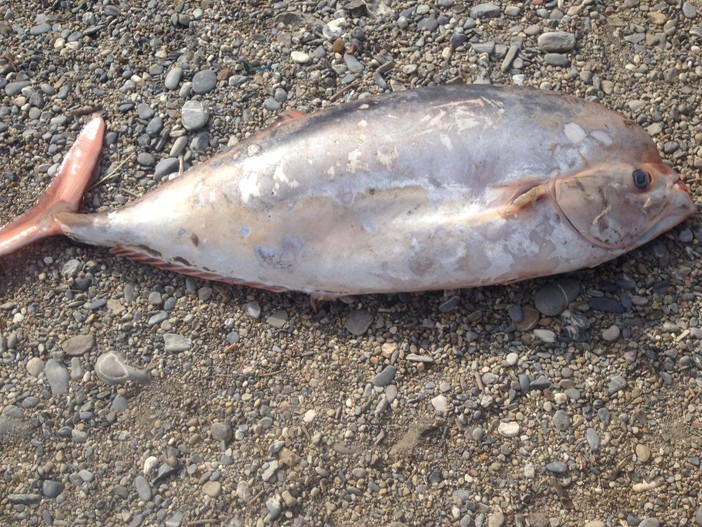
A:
{"x":287,"y":116}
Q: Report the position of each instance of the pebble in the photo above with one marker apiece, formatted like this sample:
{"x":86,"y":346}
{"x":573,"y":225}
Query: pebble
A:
{"x":554,"y":297}
{"x":143,"y":488}
{"x":112,"y":368}
{"x":556,"y":42}
{"x":595,"y":523}
{"x":78,"y":345}
{"x":496,"y":519}
{"x":546,"y":335}
{"x":253,"y":309}
{"x":650,"y":522}
{"x":385,"y":377}
{"x":174,"y":343}
{"x":278,"y":319}
{"x":35,"y":366}
{"x":616,"y":383}
{"x":51,"y":488}
{"x":698,"y":516}
{"x":440,"y":404}
{"x":689,"y":10}
{"x":358,"y":322}
{"x":204,"y":81}
{"x":274,"y":507}
{"x":300,"y":57}
{"x":221,"y":432}
{"x":557,"y":467}
{"x":173,"y":78}
{"x":606,"y":305}
{"x":593,"y":440}
{"x":57,"y":376}
{"x":485,"y":10}
{"x":165,"y":167}
{"x":512,"y":359}
{"x":508,"y":428}
{"x":643,"y":453}
{"x":194,"y":115}
{"x":611,"y":333}
{"x":212,"y":489}
{"x":561,"y":421}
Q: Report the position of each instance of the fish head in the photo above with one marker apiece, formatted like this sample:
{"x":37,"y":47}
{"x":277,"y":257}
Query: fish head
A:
{"x":622,"y":206}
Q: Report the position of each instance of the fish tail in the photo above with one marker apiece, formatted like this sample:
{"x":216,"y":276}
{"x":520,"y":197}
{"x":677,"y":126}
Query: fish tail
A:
{"x":63,"y":195}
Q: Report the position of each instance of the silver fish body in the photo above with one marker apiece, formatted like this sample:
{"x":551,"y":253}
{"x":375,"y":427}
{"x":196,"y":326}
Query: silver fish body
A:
{"x":434,"y":188}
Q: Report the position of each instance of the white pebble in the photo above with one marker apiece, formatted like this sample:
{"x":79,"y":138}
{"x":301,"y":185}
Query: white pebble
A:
{"x":508,"y":429}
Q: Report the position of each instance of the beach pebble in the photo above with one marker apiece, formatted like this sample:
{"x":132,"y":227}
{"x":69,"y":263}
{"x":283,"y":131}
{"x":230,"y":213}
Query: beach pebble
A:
{"x":194,"y":115}
{"x":556,"y":42}
{"x":57,"y":376}
{"x":508,"y":429}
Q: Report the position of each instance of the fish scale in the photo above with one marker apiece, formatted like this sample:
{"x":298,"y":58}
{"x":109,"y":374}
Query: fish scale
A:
{"x":434,"y":188}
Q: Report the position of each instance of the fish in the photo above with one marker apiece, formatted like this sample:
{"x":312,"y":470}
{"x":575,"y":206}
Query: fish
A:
{"x":435,"y":188}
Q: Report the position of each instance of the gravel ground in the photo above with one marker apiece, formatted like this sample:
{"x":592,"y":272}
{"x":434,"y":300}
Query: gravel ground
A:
{"x":131,"y":396}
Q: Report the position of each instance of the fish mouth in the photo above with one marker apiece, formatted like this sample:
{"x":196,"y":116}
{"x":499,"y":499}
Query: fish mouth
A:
{"x":680,"y":208}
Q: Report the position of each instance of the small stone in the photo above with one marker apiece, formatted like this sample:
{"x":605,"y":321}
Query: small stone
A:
{"x":556,"y":59}
{"x":176,"y":520}
{"x":592,"y":439}
{"x":556,"y":42}
{"x":358,"y":322}
{"x":496,"y":519}
{"x":212,"y":489}
{"x":611,"y":333}
{"x":595,"y":523}
{"x":353,"y":64}
{"x":530,"y":317}
{"x":253,"y":309}
{"x":274,"y":507}
{"x":78,"y":345}
{"x":546,"y":335}
{"x":512,"y":359}
{"x":278,"y":319}
{"x":606,"y":305}
{"x":204,"y":81}
{"x":57,"y":375}
{"x":561,"y":421}
{"x":174,"y":343}
{"x":35,"y":366}
{"x":643,"y":453}
{"x":650,"y":522}
{"x":616,"y":383}
{"x":204,"y":293}
{"x":289,"y":499}
{"x":309,"y":416}
{"x":554,"y":297}
{"x":385,"y":377}
{"x":698,"y":516}
{"x":165,"y":167}
{"x":508,"y":429}
{"x":486,"y":10}
{"x":440,"y":404}
{"x":300,"y":57}
{"x":194,"y":115}
{"x":557,"y":467}
{"x":143,"y":488}
{"x":155,"y":126}
{"x":51,"y":488}
{"x":150,"y":463}
{"x":173,"y":78}
{"x":119,"y":403}
{"x":144,"y":111}
{"x":15,"y":88}
{"x":24,"y":499}
{"x":689,"y":10}
{"x":112,"y":368}
{"x":221,"y":432}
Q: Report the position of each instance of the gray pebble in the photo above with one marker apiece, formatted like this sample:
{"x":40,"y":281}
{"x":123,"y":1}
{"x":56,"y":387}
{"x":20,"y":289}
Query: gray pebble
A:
{"x":78,"y":345}
{"x":486,"y":10}
{"x":212,"y":489}
{"x":165,"y":167}
{"x":557,"y":467}
{"x":200,"y":142}
{"x":278,"y":319}
{"x":204,"y":293}
{"x":556,"y":59}
{"x":51,"y":488}
{"x":112,"y":368}
{"x":698,"y":516}
{"x":554,"y":297}
{"x":616,"y":383}
{"x":358,"y":322}
{"x":524,"y":383}
{"x":24,"y":499}
{"x":353,"y":64}
{"x":271,"y":104}
{"x":144,"y":111}
{"x":221,"y":432}
{"x":57,"y":375}
{"x":155,"y":126}
{"x":35,"y":366}
{"x":194,"y":115}
{"x":606,"y":305}
{"x":119,"y":403}
{"x":143,"y":488}
{"x":428,"y":24}
{"x":157,"y":318}
{"x":561,"y":420}
{"x":40,"y":29}
{"x":174,"y":343}
{"x":274,"y":507}
{"x":146,"y":159}
{"x":650,"y":522}
{"x":689,"y":10}
{"x":86,"y":475}
{"x":76,"y":369}
{"x":385,"y":377}
{"x":204,"y":81}
{"x":177,"y":520}
{"x":592,"y":439}
{"x":253,"y":309}
{"x":15,"y":88}
{"x":556,"y":42}
{"x":173,"y":78}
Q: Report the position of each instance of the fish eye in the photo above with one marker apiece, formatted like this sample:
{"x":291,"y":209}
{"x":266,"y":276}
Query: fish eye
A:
{"x":642,"y":179}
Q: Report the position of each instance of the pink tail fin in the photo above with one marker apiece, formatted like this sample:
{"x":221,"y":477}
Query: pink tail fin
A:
{"x":63,"y":195}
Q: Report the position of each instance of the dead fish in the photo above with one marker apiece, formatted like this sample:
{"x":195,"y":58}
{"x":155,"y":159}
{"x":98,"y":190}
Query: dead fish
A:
{"x":434,"y":188}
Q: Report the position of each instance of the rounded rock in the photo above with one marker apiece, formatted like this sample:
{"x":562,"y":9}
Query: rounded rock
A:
{"x":194,"y":115}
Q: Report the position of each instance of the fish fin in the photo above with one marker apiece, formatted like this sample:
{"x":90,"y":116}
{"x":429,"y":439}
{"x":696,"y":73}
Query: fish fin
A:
{"x":287,"y":116}
{"x":134,"y":254}
{"x":524,"y":197}
{"x":63,"y":195}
